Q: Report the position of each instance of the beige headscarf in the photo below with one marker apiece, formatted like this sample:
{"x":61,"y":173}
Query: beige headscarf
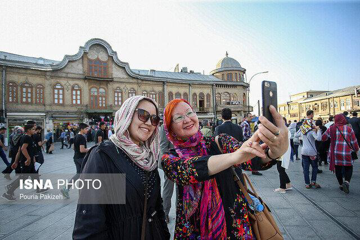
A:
{"x":144,"y":156}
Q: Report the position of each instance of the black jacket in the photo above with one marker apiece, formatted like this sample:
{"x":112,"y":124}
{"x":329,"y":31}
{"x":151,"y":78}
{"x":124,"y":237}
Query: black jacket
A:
{"x":120,"y":221}
{"x":231,"y":129}
{"x":355,"y":124}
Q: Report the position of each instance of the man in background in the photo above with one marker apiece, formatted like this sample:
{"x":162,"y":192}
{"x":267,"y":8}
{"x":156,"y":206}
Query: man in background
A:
{"x":228,"y":127}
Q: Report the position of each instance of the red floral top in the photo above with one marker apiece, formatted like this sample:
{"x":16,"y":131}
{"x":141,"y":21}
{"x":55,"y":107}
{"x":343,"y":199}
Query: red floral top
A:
{"x":194,"y":170}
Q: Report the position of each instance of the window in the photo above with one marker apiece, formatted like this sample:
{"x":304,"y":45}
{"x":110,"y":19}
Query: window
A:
{"x":218,"y":99}
{"x":208,"y":100}
{"x":12,"y":92}
{"x":76,"y":95}
{"x":244,"y":98}
{"x":170,"y":96}
{"x":161,"y":99}
{"x":152,"y":95}
{"x":58,"y":94}
{"x":342,"y":104}
{"x":194,"y":100}
{"x":236,"y":77}
{"x":177,"y":95}
{"x":39,"y":94}
{"x":186,"y":96}
{"x":223,"y":76}
{"x":229,"y":77}
{"x":144,"y":93}
{"x":242,"y":77}
{"x":93,"y":98}
{"x":97,"y":68}
{"x":26,"y":93}
{"x":357,"y":103}
{"x":225,"y":98}
{"x":331,"y":105}
{"x":335,"y":104}
{"x":97,"y":97}
{"x":102,"y":98}
{"x":118,"y":97}
{"x":348,"y":104}
{"x":323,"y":106}
{"x":234,"y":97}
{"x":132,"y":92}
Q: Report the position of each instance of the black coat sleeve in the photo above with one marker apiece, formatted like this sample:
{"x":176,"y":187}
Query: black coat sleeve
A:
{"x":90,"y":220}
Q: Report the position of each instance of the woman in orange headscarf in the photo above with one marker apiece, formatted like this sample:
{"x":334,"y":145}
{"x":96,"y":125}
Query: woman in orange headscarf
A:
{"x":210,"y":204}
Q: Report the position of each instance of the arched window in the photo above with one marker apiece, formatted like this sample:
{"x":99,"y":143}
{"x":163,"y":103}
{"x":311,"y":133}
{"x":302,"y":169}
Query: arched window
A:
{"x":94,"y":97}
{"x":97,"y":97}
{"x":58,"y":94}
{"x":144,"y":93}
{"x":132,"y":92}
{"x":186,"y":96}
{"x":117,"y":97}
{"x":170,"y":96}
{"x":76,"y":95}
{"x":98,"y":68}
{"x":102,"y":98}
{"x":177,"y":95}
{"x":218,"y":99}
{"x":236,"y":77}
{"x":229,"y":77}
{"x":12,"y":92}
{"x":225,"y":98}
{"x":194,"y":100}
{"x":208,"y":100}
{"x":152,"y":95}
{"x":234,"y":97}
{"x":244,"y":98}
{"x":26,"y":93}
{"x":161,"y":99}
{"x":39,"y":94}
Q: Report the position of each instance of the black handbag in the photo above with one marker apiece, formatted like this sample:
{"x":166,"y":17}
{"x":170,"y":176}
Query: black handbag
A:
{"x":353,"y":153}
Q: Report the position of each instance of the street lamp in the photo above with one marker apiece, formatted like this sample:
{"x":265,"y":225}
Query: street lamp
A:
{"x":249,"y":87}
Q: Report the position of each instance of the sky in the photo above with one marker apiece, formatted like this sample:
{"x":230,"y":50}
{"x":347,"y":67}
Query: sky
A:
{"x":303,"y":44}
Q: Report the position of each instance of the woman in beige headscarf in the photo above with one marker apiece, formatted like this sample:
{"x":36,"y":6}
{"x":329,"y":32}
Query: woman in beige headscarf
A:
{"x":133,"y":150}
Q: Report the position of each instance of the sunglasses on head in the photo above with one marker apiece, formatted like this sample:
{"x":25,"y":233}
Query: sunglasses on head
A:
{"x":144,"y":116}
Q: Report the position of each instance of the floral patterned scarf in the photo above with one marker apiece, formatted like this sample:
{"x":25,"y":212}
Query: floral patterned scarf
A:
{"x":203,"y":194}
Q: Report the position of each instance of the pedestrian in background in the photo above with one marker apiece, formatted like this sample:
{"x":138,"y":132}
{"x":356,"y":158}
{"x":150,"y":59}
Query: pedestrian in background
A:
{"x":72,"y":137}
{"x":3,"y":147}
{"x":228,"y":127}
{"x":62,"y":139}
{"x":343,"y":142}
{"x":49,"y":141}
{"x":308,"y":151}
{"x":99,"y":136}
{"x":355,"y":124}
{"x":14,"y":143}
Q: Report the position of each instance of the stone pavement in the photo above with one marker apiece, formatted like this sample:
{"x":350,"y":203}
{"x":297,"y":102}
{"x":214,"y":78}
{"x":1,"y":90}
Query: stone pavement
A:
{"x":325,"y":213}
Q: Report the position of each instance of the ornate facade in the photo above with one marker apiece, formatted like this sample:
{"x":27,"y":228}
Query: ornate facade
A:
{"x":92,"y":84}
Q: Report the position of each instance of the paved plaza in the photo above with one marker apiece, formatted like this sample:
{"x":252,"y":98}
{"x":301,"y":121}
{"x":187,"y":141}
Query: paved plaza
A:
{"x":325,"y":213}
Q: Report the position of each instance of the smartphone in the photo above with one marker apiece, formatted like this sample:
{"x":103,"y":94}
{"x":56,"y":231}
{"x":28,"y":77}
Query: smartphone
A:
{"x":269,"y":97}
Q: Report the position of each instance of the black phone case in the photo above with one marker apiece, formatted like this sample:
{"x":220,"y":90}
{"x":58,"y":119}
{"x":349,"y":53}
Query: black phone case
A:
{"x":269,"y":97}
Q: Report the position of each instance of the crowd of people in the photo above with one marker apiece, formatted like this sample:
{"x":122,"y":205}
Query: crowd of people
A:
{"x":199,"y":162}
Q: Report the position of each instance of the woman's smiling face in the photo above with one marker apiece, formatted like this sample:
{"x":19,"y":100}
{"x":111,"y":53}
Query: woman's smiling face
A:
{"x":185,"y":122}
{"x":140,"y":131}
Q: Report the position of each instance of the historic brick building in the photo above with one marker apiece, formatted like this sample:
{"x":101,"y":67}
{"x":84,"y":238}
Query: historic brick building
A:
{"x":92,"y":84}
{"x":323,"y":103}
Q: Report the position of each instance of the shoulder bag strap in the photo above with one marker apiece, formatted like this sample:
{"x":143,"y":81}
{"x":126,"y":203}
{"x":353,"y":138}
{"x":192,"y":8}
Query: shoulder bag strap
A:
{"x":350,"y":146}
{"x":242,"y":187}
{"x":143,"y":228}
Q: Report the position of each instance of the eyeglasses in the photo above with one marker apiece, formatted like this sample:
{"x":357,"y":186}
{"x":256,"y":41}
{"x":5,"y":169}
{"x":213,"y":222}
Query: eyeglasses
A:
{"x":180,"y":118}
{"x":144,"y":116}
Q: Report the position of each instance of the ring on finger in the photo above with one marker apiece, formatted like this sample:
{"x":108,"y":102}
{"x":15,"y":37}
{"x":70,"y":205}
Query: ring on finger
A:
{"x":277,"y":133}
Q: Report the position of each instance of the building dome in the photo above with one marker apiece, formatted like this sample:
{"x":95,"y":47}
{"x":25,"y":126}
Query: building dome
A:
{"x":228,"y":62}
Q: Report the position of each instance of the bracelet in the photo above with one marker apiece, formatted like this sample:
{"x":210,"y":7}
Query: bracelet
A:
{"x":267,"y":154}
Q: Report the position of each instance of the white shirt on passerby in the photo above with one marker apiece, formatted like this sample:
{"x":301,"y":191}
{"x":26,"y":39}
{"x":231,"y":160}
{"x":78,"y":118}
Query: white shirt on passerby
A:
{"x":309,"y":148}
{"x":329,"y":124}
